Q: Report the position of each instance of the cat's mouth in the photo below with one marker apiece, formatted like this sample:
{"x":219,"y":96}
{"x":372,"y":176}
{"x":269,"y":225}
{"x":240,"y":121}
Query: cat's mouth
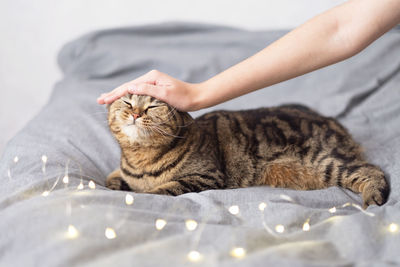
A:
{"x":133,"y":130}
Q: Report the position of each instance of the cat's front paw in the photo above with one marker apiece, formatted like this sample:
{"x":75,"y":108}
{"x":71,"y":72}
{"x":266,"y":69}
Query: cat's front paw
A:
{"x":375,"y":193}
{"x":114,"y":183}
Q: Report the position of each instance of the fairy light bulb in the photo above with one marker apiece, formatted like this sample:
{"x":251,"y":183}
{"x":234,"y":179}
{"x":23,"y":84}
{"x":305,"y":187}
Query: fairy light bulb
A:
{"x":72,"y":232}
{"x":129,"y":199}
{"x":16,"y":159}
{"x":80,"y":186}
{"x":191,"y":225}
{"x":393,"y":228}
{"x":65,"y":179}
{"x":279,"y":228}
{"x":332,"y":210}
{"x":110,"y":233}
{"x":306,"y":226}
{"x":44,"y":158}
{"x":160,"y":224}
{"x":194,"y":256}
{"x":45,"y":193}
{"x":234,"y":209}
{"x":238,"y":252}
{"x":262,"y":206}
{"x":92,"y":185}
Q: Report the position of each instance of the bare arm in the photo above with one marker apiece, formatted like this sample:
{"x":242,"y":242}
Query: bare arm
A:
{"x":330,"y":37}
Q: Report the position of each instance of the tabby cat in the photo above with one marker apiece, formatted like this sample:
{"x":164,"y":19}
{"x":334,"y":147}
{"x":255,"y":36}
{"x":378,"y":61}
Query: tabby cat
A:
{"x":165,"y":151}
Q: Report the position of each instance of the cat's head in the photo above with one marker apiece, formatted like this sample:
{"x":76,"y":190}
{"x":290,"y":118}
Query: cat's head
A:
{"x":145,"y":120}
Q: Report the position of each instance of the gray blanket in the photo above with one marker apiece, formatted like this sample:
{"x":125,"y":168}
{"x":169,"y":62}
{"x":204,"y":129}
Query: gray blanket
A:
{"x":55,"y":210}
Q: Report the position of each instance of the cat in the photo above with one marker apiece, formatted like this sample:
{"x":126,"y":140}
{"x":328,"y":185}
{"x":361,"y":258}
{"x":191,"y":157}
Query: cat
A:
{"x":166,"y":151}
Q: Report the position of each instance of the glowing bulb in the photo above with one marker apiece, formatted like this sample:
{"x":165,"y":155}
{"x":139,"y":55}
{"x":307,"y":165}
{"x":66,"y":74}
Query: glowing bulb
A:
{"x":191,"y":225}
{"x":332,"y":210}
{"x":306,"y":226}
{"x":72,"y":232}
{"x":16,"y":159}
{"x":393,"y":228}
{"x":280,"y":228}
{"x":45,"y":193}
{"x":110,"y":233}
{"x":44,"y":158}
{"x":66,"y":179}
{"x":129,"y":199}
{"x":92,"y":185}
{"x":238,"y":252}
{"x":80,"y":186}
{"x":194,"y":256}
{"x":262,"y":206}
{"x":234,"y":209}
{"x":160,"y":223}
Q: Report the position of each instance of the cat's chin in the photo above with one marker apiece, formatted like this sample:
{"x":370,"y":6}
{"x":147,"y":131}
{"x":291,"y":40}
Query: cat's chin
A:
{"x":132,"y":132}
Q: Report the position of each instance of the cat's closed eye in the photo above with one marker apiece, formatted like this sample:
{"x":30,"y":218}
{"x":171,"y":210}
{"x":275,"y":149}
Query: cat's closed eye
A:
{"x":127,"y":103}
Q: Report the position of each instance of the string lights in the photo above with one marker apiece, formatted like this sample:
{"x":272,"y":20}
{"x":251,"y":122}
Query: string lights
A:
{"x":65,"y":179}
{"x":92,"y":185}
{"x":279,"y":228}
{"x":262,"y":206}
{"x":191,"y":225}
{"x":80,"y":186}
{"x":110,"y":233}
{"x":194,"y":256}
{"x":238,"y":252}
{"x":160,"y":224}
{"x":72,"y":232}
{"x":278,"y":231}
{"x":129,"y":199}
{"x":393,"y":228}
{"x":306,"y":225}
{"x":44,"y":160}
{"x":234,"y":210}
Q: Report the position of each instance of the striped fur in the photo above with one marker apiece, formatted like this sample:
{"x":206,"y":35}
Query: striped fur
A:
{"x":165,"y":151}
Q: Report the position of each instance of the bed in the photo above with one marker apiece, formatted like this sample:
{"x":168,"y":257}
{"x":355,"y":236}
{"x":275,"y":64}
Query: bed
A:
{"x":56,"y":211}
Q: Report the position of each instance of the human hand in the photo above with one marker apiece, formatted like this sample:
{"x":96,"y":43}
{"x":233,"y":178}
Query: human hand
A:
{"x":181,"y":95}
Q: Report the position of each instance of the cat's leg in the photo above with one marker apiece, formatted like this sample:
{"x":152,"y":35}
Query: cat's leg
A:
{"x":192,"y":183}
{"x":115,"y":181}
{"x":290,"y":173}
{"x":367,"y":179}
{"x":357,"y":175}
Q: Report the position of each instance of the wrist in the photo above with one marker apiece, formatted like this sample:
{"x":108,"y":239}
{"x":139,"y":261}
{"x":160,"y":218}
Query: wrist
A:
{"x":200,"y":96}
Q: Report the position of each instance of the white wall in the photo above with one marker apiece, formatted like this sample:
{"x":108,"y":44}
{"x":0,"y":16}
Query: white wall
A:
{"x":32,"y":32}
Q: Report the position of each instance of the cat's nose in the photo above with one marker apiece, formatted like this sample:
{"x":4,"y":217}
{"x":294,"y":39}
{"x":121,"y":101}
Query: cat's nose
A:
{"x":135,"y":116}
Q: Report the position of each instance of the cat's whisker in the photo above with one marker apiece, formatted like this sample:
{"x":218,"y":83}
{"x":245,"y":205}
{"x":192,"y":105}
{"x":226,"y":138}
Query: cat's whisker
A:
{"x":168,"y":133}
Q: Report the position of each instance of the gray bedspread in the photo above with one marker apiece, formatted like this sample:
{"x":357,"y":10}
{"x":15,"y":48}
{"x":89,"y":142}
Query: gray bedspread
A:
{"x":46,"y":220}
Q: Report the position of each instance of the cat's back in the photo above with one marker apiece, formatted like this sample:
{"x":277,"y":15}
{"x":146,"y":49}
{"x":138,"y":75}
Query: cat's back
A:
{"x":249,"y":131}
{"x":284,"y":117}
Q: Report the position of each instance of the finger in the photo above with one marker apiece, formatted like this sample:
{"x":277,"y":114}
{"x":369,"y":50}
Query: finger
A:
{"x":148,"y":78}
{"x":145,"y":89}
{"x":115,"y":94}
{"x":100,"y":99}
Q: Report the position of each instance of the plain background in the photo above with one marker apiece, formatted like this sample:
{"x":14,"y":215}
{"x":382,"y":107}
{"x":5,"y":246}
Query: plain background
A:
{"x":32,"y":33}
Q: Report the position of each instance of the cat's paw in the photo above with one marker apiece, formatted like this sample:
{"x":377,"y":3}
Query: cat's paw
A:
{"x":114,"y":183}
{"x":375,"y":193}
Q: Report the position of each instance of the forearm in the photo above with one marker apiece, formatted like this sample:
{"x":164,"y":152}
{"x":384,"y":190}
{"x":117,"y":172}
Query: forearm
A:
{"x":326,"y":39}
